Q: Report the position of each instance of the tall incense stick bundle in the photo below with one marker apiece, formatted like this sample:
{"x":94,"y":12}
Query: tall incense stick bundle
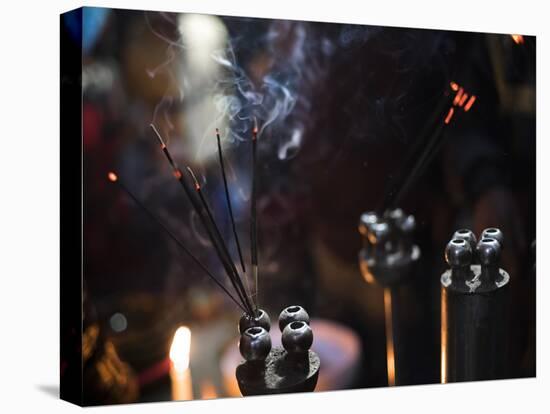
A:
{"x":228,"y":199}
{"x":422,"y":150}
{"x":114,"y":178}
{"x":253,"y":223}
{"x":212,"y":223}
{"x":210,"y":228}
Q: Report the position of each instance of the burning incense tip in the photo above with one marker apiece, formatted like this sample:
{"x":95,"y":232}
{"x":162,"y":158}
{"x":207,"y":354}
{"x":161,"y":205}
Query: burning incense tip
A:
{"x":255,"y":129}
{"x":454,"y":86}
{"x":518,"y":39}
{"x":197,"y":185}
{"x":458,"y":96}
{"x":162,"y":144}
{"x":112,"y":176}
{"x":449,"y":115}
{"x":470,"y":103}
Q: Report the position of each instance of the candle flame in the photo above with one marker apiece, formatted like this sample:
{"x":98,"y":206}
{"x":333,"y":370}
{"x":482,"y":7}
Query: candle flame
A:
{"x":112,"y":176}
{"x":180,"y":349}
{"x":518,"y":39}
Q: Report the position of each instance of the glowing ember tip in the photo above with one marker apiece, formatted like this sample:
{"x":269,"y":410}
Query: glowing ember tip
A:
{"x":197,"y":185}
{"x":449,"y":115}
{"x":112,"y":176}
{"x":162,"y":144}
{"x":470,"y":103}
{"x":454,"y":86}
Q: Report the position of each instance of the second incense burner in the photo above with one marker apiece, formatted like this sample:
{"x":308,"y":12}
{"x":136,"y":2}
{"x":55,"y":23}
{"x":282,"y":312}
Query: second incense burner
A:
{"x":474,"y":309}
{"x":276,"y":370}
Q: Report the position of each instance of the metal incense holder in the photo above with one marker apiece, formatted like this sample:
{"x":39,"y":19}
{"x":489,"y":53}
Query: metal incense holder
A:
{"x":388,"y":252}
{"x":388,"y":259}
{"x":474,"y":299}
{"x":266,"y":370}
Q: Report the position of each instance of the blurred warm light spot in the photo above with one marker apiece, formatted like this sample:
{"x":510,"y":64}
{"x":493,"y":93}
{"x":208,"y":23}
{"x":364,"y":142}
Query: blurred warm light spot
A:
{"x":444,"y":338}
{"x":112,"y":176}
{"x":208,"y":390}
{"x":180,"y":349}
{"x":518,"y":39}
{"x":470,"y":103}
{"x":454,"y":86}
{"x":389,"y":337}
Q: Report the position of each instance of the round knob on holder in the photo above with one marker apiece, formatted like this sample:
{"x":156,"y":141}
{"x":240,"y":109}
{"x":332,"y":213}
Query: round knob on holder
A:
{"x":255,"y":344}
{"x":458,"y":253}
{"x":493,"y":233}
{"x":488,"y":251}
{"x":297,"y":337}
{"x":292,"y":314}
{"x":261,"y":318}
{"x":466,"y":235}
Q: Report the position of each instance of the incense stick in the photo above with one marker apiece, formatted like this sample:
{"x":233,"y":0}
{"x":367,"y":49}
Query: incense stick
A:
{"x":253,"y":222}
{"x":216,"y":242}
{"x":114,"y":178}
{"x":228,"y":199}
{"x":224,"y":252}
{"x":417,"y":152}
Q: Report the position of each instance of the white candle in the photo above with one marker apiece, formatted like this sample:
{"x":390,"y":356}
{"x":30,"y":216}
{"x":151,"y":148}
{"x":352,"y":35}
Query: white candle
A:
{"x":180,"y":374}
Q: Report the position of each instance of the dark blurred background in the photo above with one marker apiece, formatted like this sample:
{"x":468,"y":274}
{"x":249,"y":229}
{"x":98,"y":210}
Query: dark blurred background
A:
{"x":340,"y":108}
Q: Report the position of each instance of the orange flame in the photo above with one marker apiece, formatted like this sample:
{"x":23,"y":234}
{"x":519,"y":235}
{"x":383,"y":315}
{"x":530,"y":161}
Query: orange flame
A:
{"x":112,"y":176}
{"x":518,"y":39}
{"x":470,"y":103}
{"x":181,"y":346}
{"x":449,"y":115}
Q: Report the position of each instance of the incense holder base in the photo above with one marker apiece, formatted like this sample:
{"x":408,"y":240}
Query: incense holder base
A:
{"x":281,"y":372}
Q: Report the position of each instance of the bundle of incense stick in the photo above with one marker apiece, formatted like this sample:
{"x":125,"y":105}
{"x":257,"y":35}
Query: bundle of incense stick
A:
{"x":427,"y":146}
{"x":243,"y":293}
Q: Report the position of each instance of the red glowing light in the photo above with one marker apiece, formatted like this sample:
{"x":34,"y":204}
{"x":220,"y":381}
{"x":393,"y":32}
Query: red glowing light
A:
{"x":458,"y":96}
{"x":470,"y":103}
{"x":112,"y":176}
{"x":449,"y":115}
{"x":463,"y":99}
{"x":177,"y":173}
{"x":454,"y":86}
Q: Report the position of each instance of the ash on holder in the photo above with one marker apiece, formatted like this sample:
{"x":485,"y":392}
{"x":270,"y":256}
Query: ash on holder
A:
{"x":474,"y":299}
{"x":266,"y":370}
